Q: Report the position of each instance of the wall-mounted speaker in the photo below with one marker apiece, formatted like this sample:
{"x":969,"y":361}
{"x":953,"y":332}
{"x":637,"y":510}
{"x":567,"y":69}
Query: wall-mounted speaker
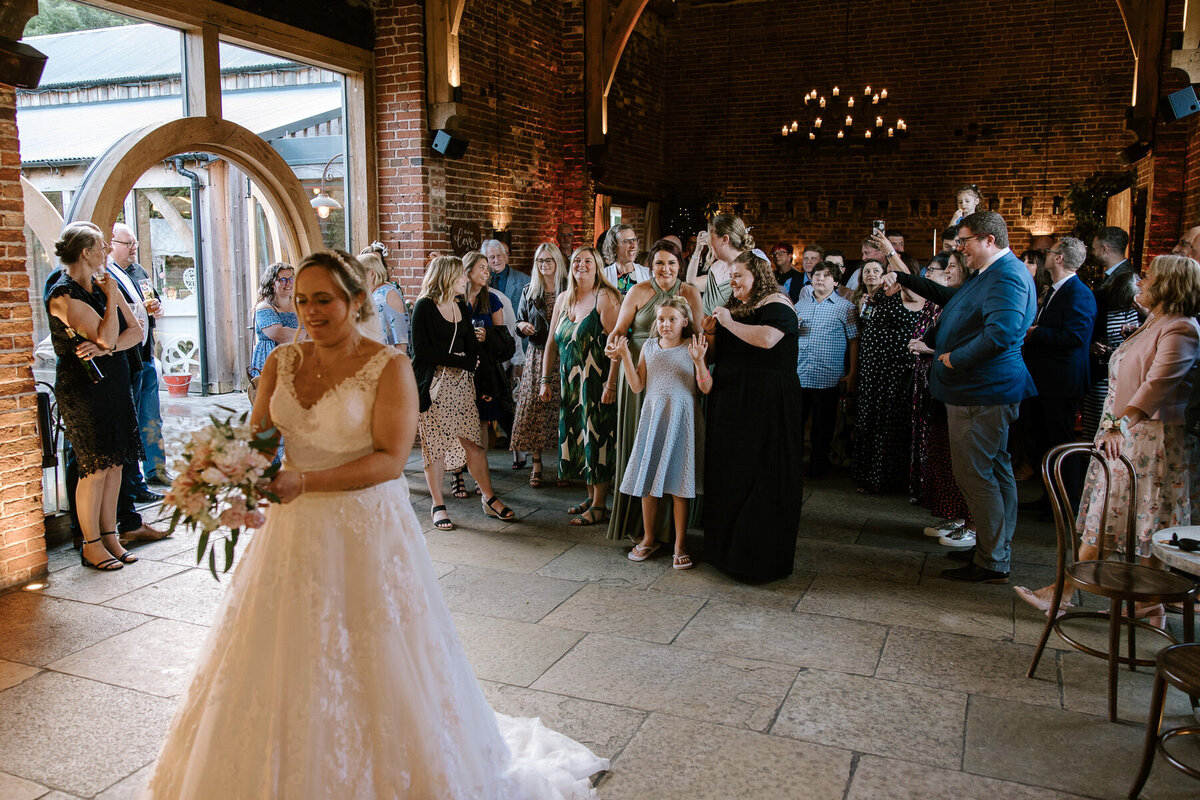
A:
{"x":1178,"y":105}
{"x":449,"y":145}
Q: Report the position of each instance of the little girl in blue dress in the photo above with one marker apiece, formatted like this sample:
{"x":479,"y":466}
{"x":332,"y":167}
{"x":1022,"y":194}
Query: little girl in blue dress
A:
{"x":667,"y":451}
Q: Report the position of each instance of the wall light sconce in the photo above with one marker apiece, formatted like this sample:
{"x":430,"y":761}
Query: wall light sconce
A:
{"x":323,"y":203}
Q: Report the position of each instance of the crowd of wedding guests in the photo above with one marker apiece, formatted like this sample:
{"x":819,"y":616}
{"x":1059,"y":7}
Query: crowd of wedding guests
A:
{"x":680,"y":386}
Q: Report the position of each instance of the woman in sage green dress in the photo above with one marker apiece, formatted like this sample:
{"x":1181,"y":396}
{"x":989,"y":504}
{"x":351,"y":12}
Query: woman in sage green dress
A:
{"x":726,"y":238}
{"x":587,"y":424}
{"x":637,"y":322}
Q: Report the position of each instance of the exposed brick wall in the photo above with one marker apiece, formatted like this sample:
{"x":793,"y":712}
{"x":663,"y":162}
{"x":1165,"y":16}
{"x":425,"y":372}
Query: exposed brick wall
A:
{"x":524,"y":125}
{"x":637,"y":118}
{"x":1045,"y":83}
{"x":22,"y":532}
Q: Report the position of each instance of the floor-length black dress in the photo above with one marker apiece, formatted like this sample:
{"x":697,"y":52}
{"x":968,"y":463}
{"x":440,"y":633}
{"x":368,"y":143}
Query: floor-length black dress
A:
{"x":754,"y":442}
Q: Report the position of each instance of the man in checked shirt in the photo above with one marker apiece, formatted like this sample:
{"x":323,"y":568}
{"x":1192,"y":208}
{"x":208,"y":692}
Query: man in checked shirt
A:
{"x":828,"y":333}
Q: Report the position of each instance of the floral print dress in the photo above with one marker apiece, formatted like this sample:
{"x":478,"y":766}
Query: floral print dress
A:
{"x":1167,"y":461}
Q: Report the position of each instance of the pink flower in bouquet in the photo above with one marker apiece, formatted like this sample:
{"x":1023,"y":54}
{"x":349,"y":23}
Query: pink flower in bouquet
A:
{"x":255,"y":519}
{"x":213,"y":476}
{"x":233,"y":518}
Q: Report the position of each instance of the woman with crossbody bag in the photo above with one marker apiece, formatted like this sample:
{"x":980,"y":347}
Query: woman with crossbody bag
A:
{"x":445,"y":355}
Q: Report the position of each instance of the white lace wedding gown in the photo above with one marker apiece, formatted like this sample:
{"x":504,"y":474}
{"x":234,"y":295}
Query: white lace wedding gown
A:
{"x":334,"y":670}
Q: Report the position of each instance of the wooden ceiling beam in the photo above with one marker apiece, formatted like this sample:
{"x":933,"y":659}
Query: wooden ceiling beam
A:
{"x":604,"y":37}
{"x":443,"y":76}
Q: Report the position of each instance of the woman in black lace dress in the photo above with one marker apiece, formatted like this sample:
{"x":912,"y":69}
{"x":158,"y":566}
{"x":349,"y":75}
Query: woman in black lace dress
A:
{"x":89,"y":321}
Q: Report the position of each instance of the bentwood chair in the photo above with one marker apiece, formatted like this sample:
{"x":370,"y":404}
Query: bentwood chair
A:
{"x":1122,"y":582}
{"x":1178,"y":665}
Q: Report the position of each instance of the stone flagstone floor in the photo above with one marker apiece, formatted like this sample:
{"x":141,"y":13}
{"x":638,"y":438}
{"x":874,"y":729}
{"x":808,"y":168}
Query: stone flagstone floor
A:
{"x":863,"y":675}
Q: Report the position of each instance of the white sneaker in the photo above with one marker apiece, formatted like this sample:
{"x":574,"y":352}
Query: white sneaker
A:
{"x":963,"y":537}
{"x":944,"y":527}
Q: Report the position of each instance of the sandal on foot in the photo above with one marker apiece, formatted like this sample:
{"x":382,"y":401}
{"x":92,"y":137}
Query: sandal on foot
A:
{"x":682,"y":562}
{"x":641,"y":553}
{"x":443,"y":524}
{"x":1039,"y":603}
{"x":581,"y":508}
{"x":503,"y":513}
{"x":458,"y":487}
{"x":125,"y":557}
{"x":518,"y":463}
{"x":107,"y":565}
{"x":589,"y":517}
{"x":535,"y":476}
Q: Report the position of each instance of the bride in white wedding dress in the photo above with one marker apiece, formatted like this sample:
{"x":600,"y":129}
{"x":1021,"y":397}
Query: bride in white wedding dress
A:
{"x":334,"y":670}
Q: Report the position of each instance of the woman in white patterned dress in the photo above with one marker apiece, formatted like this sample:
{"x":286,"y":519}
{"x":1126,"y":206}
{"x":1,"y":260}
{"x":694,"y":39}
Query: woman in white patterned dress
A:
{"x":334,"y":669}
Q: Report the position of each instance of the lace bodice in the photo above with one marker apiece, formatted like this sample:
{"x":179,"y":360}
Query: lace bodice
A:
{"x":337,"y":428}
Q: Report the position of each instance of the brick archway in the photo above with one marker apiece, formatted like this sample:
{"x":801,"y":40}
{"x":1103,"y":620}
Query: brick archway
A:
{"x":112,"y":176}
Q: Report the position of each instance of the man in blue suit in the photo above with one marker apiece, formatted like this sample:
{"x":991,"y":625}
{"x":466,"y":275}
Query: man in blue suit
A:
{"x":1056,"y":353}
{"x":979,"y":374}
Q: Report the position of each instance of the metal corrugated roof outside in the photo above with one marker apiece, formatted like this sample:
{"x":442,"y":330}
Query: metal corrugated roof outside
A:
{"x":129,"y":53}
{"x":81,"y":132}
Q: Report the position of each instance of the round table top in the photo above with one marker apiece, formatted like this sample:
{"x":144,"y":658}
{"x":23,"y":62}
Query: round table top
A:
{"x":1173,"y":556}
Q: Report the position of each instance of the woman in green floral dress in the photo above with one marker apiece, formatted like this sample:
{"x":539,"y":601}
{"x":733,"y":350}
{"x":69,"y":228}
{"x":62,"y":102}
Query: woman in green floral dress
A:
{"x":587,"y":429}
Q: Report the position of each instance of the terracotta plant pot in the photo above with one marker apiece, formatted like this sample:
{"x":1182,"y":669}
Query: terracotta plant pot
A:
{"x":177,"y":385}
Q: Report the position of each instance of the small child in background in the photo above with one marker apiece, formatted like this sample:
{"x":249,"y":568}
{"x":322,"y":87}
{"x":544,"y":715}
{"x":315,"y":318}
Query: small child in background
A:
{"x":667,"y":451}
{"x":967,"y":200}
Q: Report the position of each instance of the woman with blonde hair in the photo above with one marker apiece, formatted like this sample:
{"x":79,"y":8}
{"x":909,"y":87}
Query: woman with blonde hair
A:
{"x":389,"y":298}
{"x":727,"y":238}
{"x":1149,"y":381}
{"x":535,"y":424}
{"x":587,"y":428}
{"x":445,"y":355}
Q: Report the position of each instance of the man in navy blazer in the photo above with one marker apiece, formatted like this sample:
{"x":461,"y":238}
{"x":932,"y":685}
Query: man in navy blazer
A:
{"x":1056,"y":353}
{"x":979,"y":374}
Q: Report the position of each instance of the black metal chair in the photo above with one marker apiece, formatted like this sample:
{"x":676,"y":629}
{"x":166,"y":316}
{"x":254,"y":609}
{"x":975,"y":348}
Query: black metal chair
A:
{"x":1122,"y":582}
{"x":1178,"y":665}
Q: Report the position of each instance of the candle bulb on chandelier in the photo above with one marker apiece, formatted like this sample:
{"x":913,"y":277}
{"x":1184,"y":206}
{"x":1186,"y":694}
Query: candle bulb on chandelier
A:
{"x":883,"y":94}
{"x":849,"y":120}
{"x":841,"y":134}
{"x":817,"y":122}
{"x":785,"y":130}
{"x":891,"y":132}
{"x":875,"y":100}
{"x":811,"y":135}
{"x":867,"y":91}
{"x":850,"y":102}
{"x":795,"y":126}
{"x":807,"y":98}
{"x":879,"y":122}
{"x":836,"y":91}
{"x":867,"y":135}
{"x":822,"y":102}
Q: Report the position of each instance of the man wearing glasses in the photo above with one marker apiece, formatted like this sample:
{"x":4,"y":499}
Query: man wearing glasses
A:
{"x":137,"y":286}
{"x":979,"y":374}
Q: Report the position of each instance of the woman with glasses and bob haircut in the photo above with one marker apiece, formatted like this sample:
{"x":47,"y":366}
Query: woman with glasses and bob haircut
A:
{"x":275,"y":320}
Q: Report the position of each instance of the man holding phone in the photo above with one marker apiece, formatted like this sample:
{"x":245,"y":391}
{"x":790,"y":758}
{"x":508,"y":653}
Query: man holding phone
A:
{"x":978,"y":372}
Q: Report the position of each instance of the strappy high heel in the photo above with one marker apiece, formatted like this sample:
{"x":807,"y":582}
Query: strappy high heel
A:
{"x":107,"y":565}
{"x":503,"y":513}
{"x":126,"y":557}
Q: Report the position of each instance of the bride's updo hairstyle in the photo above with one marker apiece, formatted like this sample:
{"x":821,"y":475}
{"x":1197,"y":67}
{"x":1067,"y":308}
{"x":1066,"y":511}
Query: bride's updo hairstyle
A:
{"x":350,"y":279}
{"x":75,"y":238}
{"x":733,"y":227}
{"x":440,"y":276}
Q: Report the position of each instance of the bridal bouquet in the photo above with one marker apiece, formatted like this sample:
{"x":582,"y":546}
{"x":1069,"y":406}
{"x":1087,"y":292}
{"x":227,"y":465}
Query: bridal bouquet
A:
{"x":221,"y":483}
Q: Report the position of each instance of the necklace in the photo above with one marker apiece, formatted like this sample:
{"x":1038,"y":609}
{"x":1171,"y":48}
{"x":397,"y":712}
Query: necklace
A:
{"x":320,"y":370}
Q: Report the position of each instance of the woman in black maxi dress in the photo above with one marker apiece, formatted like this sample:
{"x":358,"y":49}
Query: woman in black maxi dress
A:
{"x":752,"y":475}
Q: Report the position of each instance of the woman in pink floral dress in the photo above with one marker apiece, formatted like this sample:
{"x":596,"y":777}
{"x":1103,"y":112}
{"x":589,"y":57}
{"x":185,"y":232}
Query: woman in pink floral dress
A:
{"x":1149,"y":380}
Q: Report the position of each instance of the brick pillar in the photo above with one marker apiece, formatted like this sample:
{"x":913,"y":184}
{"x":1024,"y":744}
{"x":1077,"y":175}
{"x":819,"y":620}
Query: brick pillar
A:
{"x":412,"y":186}
{"x":22,"y":530}
{"x":577,"y":186}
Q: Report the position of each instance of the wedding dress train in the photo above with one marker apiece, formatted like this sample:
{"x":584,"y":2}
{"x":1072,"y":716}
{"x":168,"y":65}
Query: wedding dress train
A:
{"x":334,"y":670}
